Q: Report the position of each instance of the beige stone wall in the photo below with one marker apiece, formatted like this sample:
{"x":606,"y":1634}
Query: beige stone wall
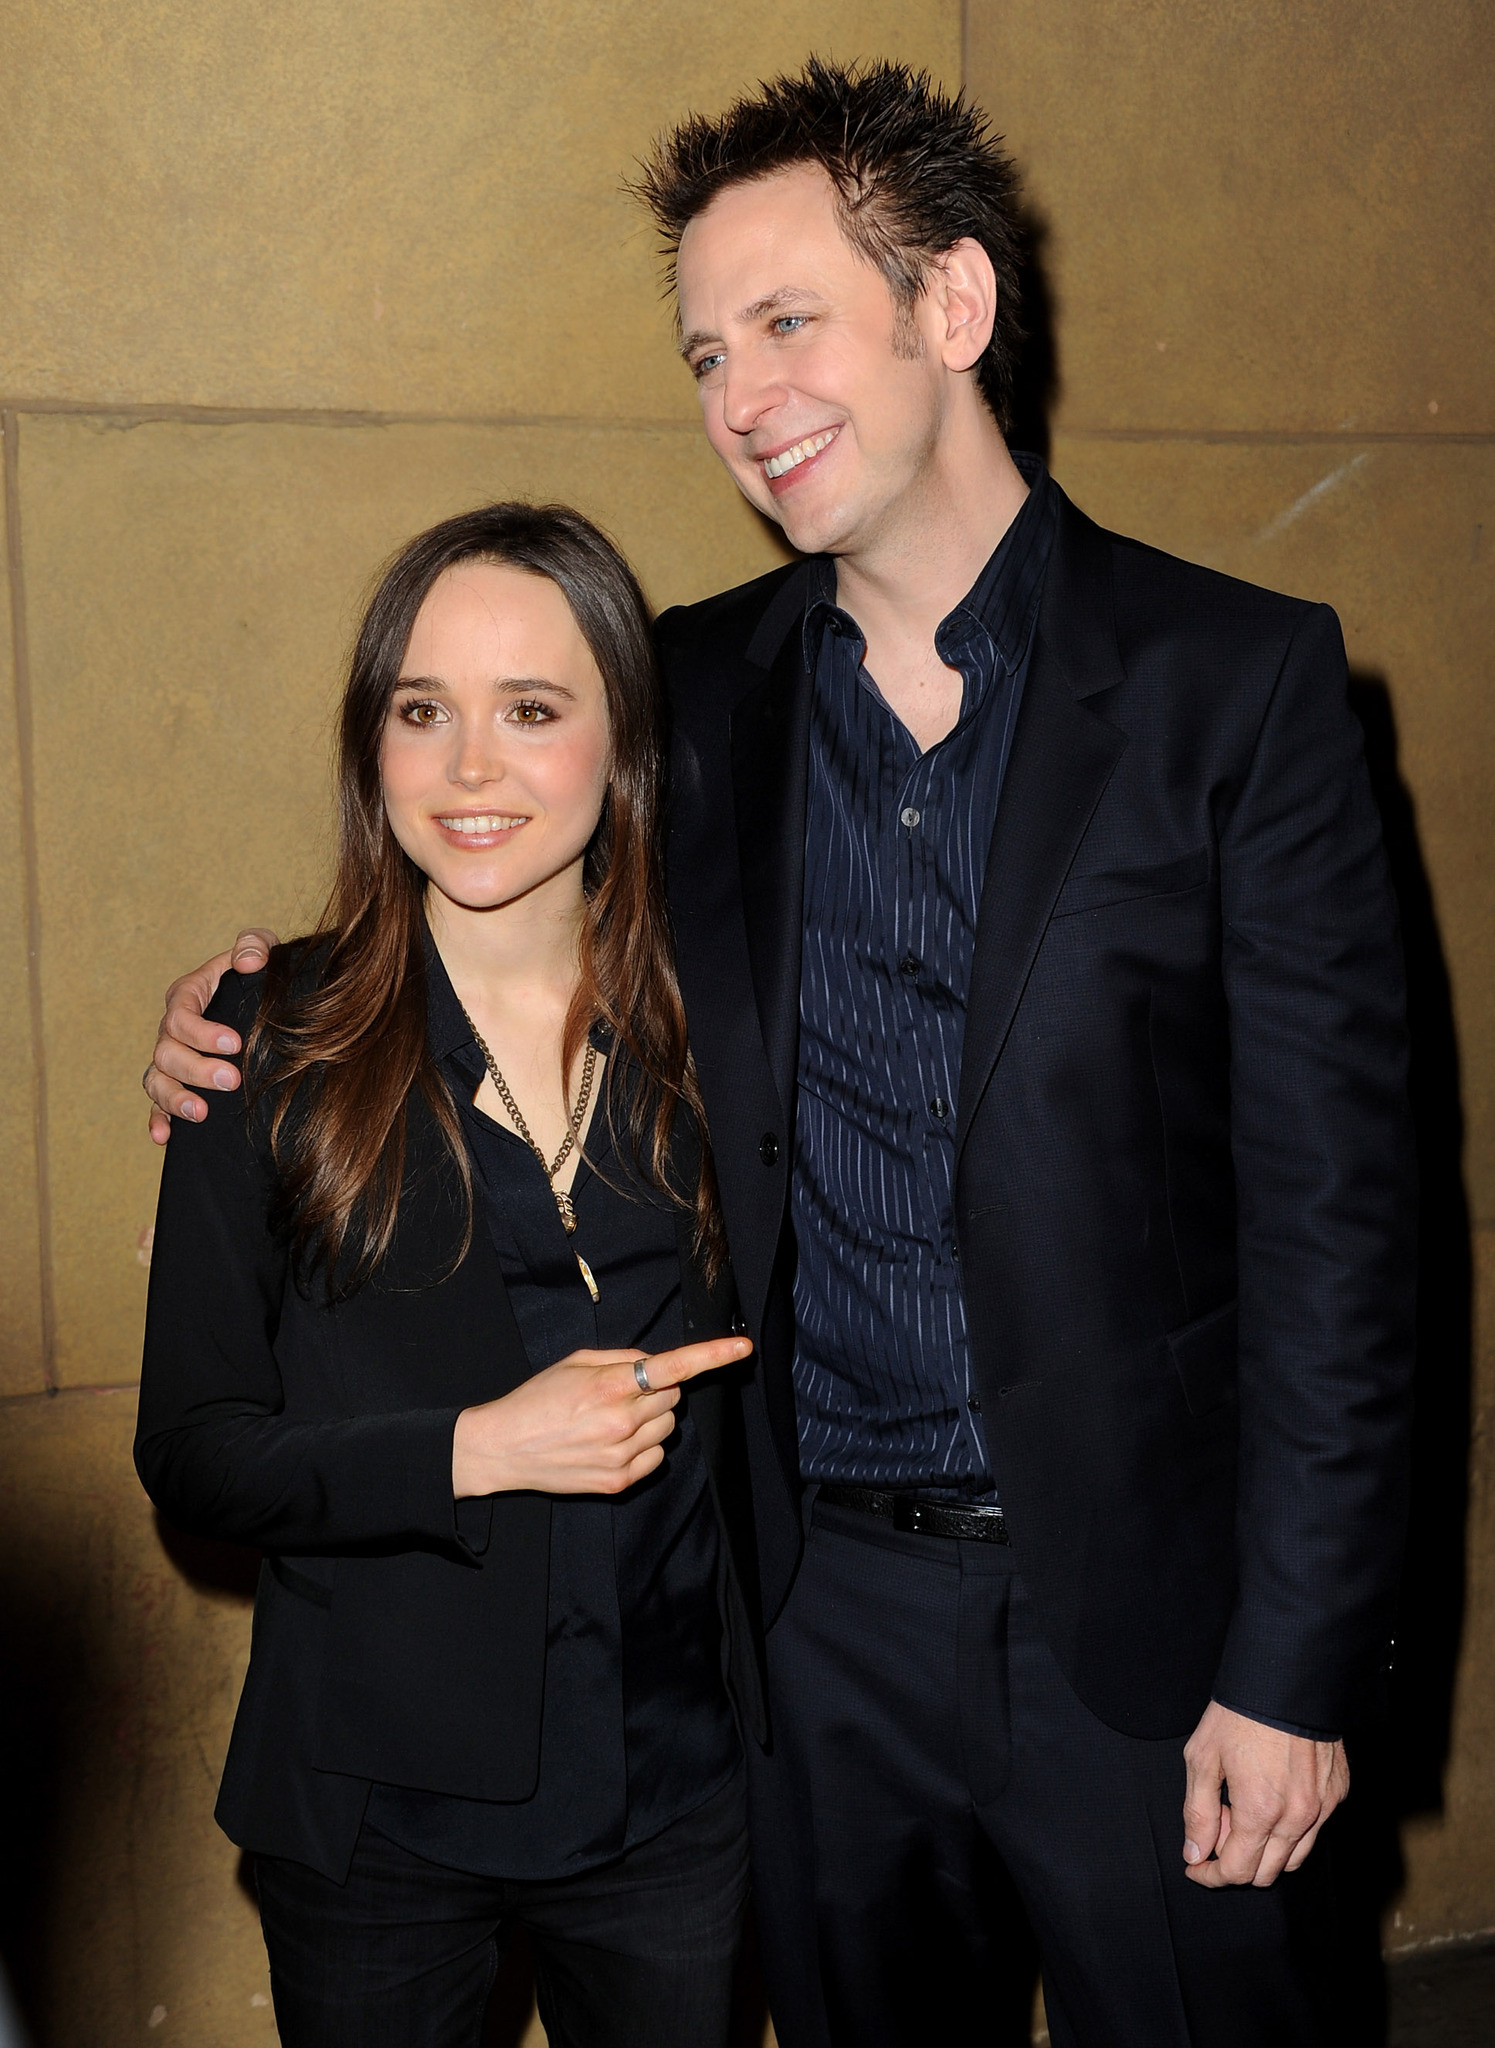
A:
{"x":280,"y":286}
{"x":1269,"y":252}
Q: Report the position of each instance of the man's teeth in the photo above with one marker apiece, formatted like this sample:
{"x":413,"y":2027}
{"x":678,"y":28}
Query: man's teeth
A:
{"x":486,"y":821}
{"x":777,"y":465}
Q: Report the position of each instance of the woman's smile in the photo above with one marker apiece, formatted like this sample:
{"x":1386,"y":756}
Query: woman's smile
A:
{"x":479,"y":830}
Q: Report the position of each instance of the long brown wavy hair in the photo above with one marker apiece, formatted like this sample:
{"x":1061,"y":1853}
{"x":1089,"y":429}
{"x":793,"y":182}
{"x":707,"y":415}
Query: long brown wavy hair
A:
{"x":340,"y":1040}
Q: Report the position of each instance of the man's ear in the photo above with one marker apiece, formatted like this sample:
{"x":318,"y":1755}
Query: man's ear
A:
{"x":962,"y":297}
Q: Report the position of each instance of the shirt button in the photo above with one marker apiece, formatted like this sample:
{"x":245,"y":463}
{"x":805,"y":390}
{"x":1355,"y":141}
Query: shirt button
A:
{"x":939,"y":1108}
{"x":909,"y":817}
{"x":910,"y":966}
{"x":768,"y":1148}
{"x":974,"y":1404}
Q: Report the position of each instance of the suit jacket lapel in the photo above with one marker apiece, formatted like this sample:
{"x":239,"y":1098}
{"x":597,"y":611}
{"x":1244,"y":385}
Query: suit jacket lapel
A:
{"x":1063,"y":753}
{"x":770,"y":782}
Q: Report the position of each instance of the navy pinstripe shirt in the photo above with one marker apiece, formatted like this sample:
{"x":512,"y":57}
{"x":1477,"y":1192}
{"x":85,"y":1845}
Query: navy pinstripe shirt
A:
{"x":896,"y":846}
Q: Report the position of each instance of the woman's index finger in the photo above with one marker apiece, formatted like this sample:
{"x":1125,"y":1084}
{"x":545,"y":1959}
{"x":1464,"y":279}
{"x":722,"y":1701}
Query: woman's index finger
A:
{"x":686,"y":1361}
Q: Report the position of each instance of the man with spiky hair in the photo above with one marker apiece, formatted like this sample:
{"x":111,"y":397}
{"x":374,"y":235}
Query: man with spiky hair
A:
{"x":1044,"y":985}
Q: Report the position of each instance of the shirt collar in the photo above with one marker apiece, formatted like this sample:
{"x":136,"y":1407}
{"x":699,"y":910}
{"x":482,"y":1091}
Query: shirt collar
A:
{"x":447,"y":1028}
{"x":1003,"y":599}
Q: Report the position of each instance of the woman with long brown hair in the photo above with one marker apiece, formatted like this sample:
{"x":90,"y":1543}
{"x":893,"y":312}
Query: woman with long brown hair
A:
{"x":421,"y":1321}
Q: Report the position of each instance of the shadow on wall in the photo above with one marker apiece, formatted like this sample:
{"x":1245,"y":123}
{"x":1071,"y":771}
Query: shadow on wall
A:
{"x":45,"y":1667}
{"x":218,"y":1568}
{"x":1036,"y":386}
{"x":1398,"y":1763}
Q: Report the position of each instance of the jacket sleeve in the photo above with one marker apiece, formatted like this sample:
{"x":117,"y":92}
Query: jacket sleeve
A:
{"x":214,"y":1448}
{"x":1325,"y":1177}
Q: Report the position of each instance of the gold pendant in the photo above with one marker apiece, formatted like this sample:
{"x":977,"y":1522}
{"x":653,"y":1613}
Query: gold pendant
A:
{"x":568,"y":1211}
{"x":586,"y":1274}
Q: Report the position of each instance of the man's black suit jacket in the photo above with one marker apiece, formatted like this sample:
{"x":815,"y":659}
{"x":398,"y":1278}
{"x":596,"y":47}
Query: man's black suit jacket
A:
{"x":1184,"y":1178}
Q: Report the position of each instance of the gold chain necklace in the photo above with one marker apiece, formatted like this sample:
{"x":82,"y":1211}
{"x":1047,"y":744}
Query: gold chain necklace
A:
{"x":563,"y":1201}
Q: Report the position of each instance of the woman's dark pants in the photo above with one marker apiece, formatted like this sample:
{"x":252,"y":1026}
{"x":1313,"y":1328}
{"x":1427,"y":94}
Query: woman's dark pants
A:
{"x":636,"y":1953}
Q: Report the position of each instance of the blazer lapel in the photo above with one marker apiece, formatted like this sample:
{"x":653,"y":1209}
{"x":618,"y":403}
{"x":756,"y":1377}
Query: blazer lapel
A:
{"x":1063,"y":754}
{"x":770,"y":781}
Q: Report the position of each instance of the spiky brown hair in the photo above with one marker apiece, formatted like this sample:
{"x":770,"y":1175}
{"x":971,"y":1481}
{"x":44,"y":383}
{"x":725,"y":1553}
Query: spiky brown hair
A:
{"x":914,"y":170}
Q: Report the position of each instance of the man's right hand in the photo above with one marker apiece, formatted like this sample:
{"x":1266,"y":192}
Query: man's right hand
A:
{"x":189,"y":1051}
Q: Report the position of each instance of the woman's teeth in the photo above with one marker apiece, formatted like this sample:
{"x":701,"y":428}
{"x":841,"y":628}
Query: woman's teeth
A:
{"x":778,"y":465}
{"x":487,"y":821}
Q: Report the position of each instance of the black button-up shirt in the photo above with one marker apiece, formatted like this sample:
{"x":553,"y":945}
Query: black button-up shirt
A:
{"x":896,"y":845}
{"x":637,"y":1728}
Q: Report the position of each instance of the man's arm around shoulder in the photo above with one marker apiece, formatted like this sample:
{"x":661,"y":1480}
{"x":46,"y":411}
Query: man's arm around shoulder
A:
{"x":191,"y":1051}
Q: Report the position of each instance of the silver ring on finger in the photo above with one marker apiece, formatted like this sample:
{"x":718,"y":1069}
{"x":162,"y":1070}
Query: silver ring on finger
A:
{"x":641,"y":1374}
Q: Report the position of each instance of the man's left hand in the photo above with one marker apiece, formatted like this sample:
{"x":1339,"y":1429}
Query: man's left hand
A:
{"x":1282,"y":1789}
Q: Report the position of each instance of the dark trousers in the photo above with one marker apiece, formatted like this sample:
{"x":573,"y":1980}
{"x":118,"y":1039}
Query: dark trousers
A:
{"x":637,"y":1953}
{"x":927,"y":1748}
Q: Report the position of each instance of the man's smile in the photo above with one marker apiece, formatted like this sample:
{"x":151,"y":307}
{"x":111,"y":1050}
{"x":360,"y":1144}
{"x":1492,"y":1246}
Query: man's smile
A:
{"x":785,"y":460}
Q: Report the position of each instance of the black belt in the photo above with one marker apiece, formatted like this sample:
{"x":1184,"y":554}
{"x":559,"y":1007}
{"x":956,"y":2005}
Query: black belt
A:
{"x":918,"y":1515}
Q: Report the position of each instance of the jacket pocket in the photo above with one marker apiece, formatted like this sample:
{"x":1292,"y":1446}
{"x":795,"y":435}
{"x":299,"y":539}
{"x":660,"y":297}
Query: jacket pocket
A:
{"x":1121,"y":885}
{"x":1203,"y":1355}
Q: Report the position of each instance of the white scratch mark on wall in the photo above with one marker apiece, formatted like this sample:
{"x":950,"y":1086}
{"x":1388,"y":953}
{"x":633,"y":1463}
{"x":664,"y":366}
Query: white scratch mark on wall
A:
{"x":1311,"y":496}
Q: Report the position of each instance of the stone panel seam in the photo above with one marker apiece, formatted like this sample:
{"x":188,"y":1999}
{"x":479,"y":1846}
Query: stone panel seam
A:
{"x":1278,"y":436}
{"x":10,"y":429}
{"x":61,"y":1394}
{"x":323,"y":416}
{"x":142,"y":414}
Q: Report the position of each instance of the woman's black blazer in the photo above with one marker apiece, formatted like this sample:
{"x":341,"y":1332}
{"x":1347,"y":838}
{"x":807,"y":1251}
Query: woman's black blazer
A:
{"x":399,"y":1636}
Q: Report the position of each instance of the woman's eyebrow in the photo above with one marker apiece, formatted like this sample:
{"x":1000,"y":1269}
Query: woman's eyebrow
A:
{"x":514,"y":686}
{"x":524,"y":685}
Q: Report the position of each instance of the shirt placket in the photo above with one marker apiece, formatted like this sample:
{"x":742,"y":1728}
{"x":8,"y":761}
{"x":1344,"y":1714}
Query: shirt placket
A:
{"x":930,"y":1030}
{"x":941,"y":1047}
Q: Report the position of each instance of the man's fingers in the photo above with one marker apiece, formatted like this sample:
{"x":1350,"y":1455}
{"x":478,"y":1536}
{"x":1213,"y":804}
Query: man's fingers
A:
{"x":1255,"y":1852}
{"x":176,"y":1063}
{"x":1304,"y":1849}
{"x":252,"y":949}
{"x":669,"y":1368}
{"x":1202,"y":1831}
{"x":169,"y":1100}
{"x":187,"y":998}
{"x":1274,"y":1857}
{"x":1244,"y":1849}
